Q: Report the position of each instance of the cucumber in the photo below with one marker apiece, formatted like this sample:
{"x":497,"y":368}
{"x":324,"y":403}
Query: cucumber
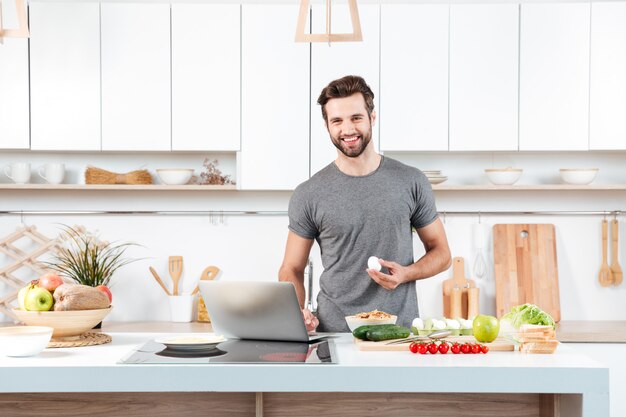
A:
{"x":388,"y":333}
{"x":361,"y":331}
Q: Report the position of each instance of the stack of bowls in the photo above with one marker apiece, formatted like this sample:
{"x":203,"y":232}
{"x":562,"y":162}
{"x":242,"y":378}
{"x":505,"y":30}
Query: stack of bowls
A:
{"x":435,"y":177}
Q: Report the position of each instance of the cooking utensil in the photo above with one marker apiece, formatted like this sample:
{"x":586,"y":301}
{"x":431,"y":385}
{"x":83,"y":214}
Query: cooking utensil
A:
{"x":158,"y":279}
{"x":440,"y":334}
{"x":480,"y":265}
{"x":526,"y":268}
{"x":459,"y":280}
{"x":605,"y":276}
{"x":616,"y":269}
{"x":176,"y":270}
{"x":209,"y":273}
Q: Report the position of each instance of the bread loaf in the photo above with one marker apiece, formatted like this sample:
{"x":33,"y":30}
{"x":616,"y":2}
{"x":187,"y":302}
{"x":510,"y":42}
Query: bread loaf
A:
{"x":79,"y":297}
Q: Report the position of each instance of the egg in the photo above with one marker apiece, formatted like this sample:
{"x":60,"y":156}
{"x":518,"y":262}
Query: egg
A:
{"x":372,"y":263}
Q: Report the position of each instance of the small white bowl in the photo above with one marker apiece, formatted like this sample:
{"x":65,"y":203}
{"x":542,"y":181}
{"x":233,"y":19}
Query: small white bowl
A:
{"x":24,"y":340}
{"x":578,"y":176}
{"x":354,"y":322}
{"x":174,"y":176}
{"x":506,"y":176}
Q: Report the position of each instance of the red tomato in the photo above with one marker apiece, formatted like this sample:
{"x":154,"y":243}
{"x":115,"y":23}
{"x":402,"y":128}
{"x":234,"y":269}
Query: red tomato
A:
{"x":413,"y":347}
{"x":443,"y":348}
{"x":456,"y":348}
{"x":484,"y":349}
{"x":432,"y":348}
{"x":421,"y":349}
{"x":475,"y":349}
{"x":466,"y":348}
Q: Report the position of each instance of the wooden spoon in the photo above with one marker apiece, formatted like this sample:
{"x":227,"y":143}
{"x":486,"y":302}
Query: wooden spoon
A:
{"x":605,"y":277}
{"x":616,"y":270}
{"x":176,"y":270}
{"x":158,"y":279}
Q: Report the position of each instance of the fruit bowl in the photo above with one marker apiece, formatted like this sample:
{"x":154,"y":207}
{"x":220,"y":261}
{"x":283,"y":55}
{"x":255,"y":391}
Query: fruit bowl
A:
{"x":174,"y":176}
{"x":64,"y":323}
{"x":24,"y":340}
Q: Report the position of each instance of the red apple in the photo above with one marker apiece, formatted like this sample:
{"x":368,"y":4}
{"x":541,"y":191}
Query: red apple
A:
{"x":50,"y":281}
{"x":105,"y":290}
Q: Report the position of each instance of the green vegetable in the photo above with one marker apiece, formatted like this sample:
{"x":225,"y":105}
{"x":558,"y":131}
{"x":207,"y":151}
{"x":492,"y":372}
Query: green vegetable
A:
{"x":361,"y":331}
{"x":527,"y":314}
{"x":387,"y":333}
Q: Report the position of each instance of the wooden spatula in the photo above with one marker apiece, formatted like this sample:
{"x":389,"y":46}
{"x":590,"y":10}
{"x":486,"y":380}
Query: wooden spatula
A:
{"x":605,"y":277}
{"x":176,"y":270}
{"x":616,"y":270}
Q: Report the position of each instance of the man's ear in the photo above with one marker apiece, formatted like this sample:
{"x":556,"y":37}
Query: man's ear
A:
{"x":373,"y":118}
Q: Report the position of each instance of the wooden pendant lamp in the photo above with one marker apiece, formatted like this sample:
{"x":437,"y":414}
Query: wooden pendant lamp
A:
{"x":329,"y":37}
{"x":22,"y":30}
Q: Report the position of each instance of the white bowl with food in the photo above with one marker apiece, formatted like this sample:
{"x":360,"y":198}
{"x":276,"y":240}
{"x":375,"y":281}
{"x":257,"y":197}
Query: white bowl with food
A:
{"x":578,"y":176}
{"x":370,"y":318}
{"x":24,"y":340}
{"x":174,"y":176}
{"x":504,"y":176}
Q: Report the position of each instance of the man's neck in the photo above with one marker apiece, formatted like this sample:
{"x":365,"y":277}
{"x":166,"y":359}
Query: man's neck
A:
{"x":363,"y":164}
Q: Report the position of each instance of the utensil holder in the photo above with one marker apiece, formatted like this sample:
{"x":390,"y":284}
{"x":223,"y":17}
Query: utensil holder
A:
{"x":181,"y":308}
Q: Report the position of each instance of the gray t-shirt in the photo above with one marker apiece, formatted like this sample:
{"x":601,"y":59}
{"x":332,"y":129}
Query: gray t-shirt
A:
{"x":353,"y":218}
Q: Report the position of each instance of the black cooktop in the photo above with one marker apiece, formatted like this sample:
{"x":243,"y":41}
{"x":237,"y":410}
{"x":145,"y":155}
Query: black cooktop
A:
{"x":236,"y":351}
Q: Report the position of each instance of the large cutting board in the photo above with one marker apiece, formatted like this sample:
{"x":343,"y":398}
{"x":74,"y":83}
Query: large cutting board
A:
{"x":500,"y":344}
{"x":525,"y":267}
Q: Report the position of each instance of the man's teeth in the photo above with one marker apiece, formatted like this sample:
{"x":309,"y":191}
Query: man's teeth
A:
{"x":351,"y":139}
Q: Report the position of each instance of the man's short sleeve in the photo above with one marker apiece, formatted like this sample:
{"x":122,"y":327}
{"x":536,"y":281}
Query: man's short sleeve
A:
{"x":425,"y":211}
{"x":301,"y":216}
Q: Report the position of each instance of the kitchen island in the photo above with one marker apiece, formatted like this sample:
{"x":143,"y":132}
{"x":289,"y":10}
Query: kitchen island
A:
{"x":89,"y":380}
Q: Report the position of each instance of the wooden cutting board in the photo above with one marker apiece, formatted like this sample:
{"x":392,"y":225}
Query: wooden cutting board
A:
{"x":500,"y":344}
{"x":458,"y":279}
{"x":525,"y":267}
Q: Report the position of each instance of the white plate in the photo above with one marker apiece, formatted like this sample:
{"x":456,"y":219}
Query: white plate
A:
{"x":191,"y":342}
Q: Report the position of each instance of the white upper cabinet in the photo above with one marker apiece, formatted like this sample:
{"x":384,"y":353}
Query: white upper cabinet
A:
{"x":484,"y":77}
{"x":608,"y":76}
{"x":275,"y":100}
{"x":337,"y":60}
{"x":554,"y":76}
{"x":413,"y":114}
{"x":65,"y":76}
{"x":205,"y":77}
{"x":14,"y":131}
{"x":136,"y":82}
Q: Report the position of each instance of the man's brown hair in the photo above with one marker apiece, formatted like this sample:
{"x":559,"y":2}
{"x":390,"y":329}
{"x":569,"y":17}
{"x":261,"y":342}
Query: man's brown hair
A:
{"x":345,"y":87}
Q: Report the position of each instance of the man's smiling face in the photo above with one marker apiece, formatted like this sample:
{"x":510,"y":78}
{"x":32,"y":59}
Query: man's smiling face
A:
{"x":349,"y":125}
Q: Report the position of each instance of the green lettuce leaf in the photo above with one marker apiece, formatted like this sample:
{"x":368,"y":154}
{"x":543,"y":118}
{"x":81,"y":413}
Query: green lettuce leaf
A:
{"x":528,"y":314}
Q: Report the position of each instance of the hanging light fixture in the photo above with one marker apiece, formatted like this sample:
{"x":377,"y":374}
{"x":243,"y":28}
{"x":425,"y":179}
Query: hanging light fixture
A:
{"x":329,"y":37}
{"x":22,"y":30}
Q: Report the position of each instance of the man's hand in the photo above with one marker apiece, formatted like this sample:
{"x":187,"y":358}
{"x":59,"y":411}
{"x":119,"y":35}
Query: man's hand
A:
{"x":398,"y":274}
{"x":310,"y":320}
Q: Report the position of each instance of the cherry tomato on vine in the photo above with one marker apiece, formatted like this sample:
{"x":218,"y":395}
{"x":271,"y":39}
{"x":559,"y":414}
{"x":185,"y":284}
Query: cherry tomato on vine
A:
{"x":456,"y":348}
{"x":413,"y":347}
{"x":432,"y":348}
{"x":466,"y":348}
{"x":484,"y":349}
{"x":443,"y":348}
{"x":422,"y":349}
{"x":475,"y":349}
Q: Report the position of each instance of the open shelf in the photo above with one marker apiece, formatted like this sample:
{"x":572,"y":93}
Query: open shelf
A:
{"x":118,"y":187}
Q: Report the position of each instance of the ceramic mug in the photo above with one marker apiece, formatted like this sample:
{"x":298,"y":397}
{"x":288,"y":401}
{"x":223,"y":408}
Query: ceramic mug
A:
{"x":19,"y":172}
{"x":52,"y":173}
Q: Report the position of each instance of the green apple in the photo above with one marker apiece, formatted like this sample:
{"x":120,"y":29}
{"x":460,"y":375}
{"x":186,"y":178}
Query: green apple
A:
{"x":21,"y":295}
{"x":38,"y":299}
{"x":486,"y":328}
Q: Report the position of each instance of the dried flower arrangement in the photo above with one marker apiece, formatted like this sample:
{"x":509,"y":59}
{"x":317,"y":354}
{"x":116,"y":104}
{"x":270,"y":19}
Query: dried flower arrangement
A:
{"x":212,"y":175}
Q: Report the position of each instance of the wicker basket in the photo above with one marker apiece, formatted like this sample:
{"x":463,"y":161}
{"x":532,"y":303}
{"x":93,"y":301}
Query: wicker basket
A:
{"x":94,"y":175}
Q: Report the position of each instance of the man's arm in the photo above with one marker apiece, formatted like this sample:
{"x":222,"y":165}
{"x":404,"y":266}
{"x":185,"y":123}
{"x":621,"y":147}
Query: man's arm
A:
{"x":292,"y":270}
{"x":436,"y":259}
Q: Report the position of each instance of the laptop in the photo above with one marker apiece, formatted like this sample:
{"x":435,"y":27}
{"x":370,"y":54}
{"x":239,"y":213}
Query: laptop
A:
{"x":256,"y":310}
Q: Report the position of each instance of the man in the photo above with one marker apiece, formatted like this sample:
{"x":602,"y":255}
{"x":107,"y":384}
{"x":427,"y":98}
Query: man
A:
{"x":361,"y":205}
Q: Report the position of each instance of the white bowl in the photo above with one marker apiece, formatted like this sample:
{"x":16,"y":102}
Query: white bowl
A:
{"x":174,"y":176}
{"x":354,"y":322}
{"x":506,"y":176}
{"x":578,"y":176}
{"x":24,"y":340}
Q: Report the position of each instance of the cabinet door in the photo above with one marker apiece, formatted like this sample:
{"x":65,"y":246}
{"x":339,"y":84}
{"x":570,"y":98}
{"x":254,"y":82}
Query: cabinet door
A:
{"x":275,"y":99}
{"x":554,"y":76}
{"x":14,"y":117}
{"x":483,"y":77}
{"x":608,"y":76}
{"x":65,"y":76}
{"x":413,"y":115}
{"x":206,"y":77}
{"x":337,"y":60}
{"x":136,"y":77}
